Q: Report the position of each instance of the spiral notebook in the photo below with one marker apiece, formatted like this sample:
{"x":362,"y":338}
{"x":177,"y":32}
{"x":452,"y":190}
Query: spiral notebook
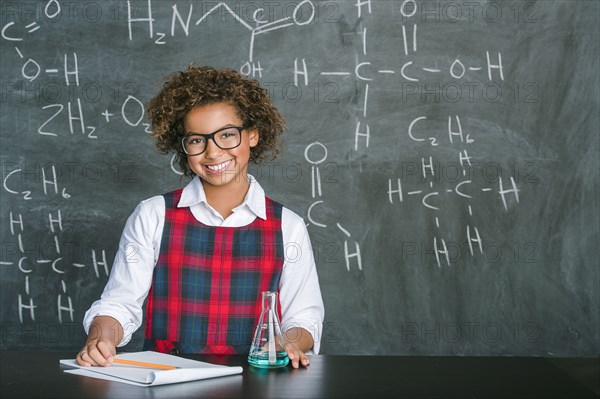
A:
{"x":187,"y":370}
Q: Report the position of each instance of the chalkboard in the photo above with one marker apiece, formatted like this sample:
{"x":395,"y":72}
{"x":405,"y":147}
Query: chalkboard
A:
{"x":444,"y":156}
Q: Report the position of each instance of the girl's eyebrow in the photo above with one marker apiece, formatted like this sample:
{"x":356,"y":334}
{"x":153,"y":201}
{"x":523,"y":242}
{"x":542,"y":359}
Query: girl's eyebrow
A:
{"x":223,"y":127}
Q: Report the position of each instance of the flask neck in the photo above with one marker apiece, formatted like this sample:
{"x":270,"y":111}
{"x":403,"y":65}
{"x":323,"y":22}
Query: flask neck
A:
{"x":269,"y":300}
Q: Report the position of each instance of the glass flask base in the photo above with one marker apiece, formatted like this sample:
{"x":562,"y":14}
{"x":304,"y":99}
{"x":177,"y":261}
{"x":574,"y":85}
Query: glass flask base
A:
{"x":261,"y":360}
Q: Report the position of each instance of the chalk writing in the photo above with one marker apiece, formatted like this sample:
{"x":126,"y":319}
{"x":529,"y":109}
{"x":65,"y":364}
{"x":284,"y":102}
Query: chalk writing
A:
{"x":365,"y":72}
{"x":79,"y":122}
{"x":261,"y":25}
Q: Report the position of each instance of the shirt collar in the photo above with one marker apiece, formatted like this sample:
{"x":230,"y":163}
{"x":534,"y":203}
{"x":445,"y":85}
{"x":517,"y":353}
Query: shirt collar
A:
{"x":193,"y":193}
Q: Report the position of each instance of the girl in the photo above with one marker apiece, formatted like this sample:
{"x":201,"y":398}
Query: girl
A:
{"x":203,"y":254}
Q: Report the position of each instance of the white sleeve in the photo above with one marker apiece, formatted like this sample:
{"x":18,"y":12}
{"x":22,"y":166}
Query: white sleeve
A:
{"x":131,"y":274}
{"x":300,"y":294}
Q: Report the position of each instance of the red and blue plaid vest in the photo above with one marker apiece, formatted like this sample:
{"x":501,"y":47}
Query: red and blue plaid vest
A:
{"x":207,"y":283}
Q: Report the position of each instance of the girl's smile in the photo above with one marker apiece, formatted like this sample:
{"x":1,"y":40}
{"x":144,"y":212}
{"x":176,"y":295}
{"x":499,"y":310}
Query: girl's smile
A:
{"x":218,"y":168}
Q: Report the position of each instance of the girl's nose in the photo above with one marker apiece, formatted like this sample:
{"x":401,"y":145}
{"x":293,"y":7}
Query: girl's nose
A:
{"x":212,"y":150}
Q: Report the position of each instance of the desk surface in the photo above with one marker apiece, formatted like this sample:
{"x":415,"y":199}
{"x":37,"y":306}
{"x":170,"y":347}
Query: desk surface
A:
{"x":39,"y":375}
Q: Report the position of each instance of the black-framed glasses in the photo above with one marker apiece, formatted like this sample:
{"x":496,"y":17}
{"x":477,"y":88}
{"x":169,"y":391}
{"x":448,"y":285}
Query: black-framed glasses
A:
{"x":226,"y":138}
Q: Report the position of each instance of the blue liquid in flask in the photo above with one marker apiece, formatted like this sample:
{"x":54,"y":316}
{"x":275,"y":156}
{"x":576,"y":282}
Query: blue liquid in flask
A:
{"x":261,"y":359}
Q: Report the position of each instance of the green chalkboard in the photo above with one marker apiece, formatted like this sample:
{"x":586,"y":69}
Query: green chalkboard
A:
{"x":444,"y":156}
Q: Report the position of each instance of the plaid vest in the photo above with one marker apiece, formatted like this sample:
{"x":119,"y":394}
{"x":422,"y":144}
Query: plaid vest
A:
{"x":207,"y":283}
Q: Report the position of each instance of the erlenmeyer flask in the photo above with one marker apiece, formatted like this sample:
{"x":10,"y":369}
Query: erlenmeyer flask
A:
{"x":268,"y":346}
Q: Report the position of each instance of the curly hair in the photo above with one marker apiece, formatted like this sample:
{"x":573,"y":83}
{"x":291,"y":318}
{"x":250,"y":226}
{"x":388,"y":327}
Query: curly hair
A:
{"x":198,"y":86}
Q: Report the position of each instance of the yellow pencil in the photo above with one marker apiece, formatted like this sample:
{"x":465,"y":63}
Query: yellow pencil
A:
{"x":143,"y":364}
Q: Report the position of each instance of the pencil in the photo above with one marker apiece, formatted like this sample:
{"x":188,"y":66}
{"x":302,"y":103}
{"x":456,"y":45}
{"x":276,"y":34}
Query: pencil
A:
{"x":143,"y":364}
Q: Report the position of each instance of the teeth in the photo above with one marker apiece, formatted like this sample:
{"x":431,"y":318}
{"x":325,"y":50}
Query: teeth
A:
{"x":218,"y":167}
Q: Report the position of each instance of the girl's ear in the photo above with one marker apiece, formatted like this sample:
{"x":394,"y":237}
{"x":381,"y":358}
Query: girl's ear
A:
{"x":253,"y":137}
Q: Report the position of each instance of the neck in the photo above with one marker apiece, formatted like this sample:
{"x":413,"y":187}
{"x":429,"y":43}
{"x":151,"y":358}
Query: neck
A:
{"x":224,"y":198}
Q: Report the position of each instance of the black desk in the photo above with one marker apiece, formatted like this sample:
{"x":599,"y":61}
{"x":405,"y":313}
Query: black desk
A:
{"x":38,"y":375}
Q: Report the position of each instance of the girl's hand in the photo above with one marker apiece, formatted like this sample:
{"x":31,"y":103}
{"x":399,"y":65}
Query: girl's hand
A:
{"x":296,"y":355}
{"x":96,"y":352}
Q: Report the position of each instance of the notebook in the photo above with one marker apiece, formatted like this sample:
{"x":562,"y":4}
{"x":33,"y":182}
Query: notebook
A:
{"x":188,"y":370}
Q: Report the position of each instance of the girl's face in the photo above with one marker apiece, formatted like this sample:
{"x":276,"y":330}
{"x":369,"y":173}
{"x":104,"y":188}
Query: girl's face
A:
{"x":218,"y":167}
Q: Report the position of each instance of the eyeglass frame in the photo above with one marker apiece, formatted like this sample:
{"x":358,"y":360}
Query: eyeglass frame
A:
{"x":211,"y":136}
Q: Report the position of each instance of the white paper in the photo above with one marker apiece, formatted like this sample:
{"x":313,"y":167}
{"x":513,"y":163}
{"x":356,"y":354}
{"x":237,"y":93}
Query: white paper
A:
{"x":189,"y":370}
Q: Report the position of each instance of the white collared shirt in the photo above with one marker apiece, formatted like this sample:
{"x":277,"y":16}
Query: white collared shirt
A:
{"x":131,"y":275}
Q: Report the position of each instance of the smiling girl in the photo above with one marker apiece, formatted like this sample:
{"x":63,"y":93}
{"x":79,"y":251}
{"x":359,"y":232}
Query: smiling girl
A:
{"x":204,"y":253}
